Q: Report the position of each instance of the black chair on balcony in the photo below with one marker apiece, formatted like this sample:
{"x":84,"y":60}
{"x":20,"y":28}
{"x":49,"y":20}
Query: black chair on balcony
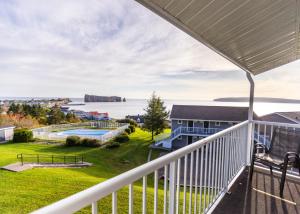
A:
{"x":282,"y":155}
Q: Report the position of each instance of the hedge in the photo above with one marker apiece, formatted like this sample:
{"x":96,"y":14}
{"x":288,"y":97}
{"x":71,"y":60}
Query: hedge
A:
{"x":90,"y":142}
{"x":73,"y":141}
{"x":86,"y":142}
{"x":23,"y":135}
{"x":132,"y":128}
{"x":122,"y":138}
{"x":128,"y":130}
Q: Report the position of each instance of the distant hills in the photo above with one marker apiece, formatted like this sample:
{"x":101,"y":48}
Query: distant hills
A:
{"x":257,"y":99}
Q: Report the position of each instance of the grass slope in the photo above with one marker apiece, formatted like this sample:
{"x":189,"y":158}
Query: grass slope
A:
{"x":29,"y":190}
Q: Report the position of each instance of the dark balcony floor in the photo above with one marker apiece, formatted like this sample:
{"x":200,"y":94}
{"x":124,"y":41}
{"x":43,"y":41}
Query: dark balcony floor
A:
{"x":262,"y":196}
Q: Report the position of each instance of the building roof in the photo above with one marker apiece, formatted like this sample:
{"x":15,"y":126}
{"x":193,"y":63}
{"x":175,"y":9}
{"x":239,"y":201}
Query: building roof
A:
{"x":257,"y":36}
{"x":6,"y":127}
{"x":282,"y":117}
{"x":215,"y":113}
{"x":292,"y":115}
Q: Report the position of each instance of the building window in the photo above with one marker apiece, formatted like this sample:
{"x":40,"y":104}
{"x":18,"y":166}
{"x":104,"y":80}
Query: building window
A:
{"x":217,"y":123}
{"x":179,"y":121}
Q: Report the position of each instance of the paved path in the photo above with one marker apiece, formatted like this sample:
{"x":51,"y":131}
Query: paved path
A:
{"x":18,"y":167}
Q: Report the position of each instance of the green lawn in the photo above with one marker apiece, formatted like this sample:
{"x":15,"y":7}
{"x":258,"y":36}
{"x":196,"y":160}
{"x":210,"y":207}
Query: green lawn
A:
{"x":29,"y":190}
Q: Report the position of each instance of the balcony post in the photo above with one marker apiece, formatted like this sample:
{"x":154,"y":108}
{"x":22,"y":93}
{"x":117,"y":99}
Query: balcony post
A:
{"x":250,"y":118}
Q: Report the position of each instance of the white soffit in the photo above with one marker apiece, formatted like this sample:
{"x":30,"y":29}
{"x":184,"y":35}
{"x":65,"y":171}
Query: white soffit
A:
{"x":256,"y":35}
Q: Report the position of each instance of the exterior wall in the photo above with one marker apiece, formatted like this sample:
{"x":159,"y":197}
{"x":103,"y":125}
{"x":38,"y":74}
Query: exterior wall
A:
{"x":2,"y":135}
{"x":9,"y":134}
{"x":179,"y":143}
{"x":6,"y":134}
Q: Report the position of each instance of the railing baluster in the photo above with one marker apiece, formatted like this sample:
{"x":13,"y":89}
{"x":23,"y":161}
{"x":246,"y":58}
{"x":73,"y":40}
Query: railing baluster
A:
{"x":205,"y":175}
{"x":94,"y":207}
{"x":209,"y":173}
{"x":144,"y":194}
{"x":220,"y":168}
{"x":114,"y":203}
{"x":191,"y":182}
{"x":130,"y":205}
{"x":196,"y":181}
{"x":214,"y":170}
{"x":178,"y":185}
{"x":217,"y":168}
{"x":201,"y":179}
{"x":172,"y":187}
{"x":165,"y":189}
{"x":184,"y":184}
{"x":155,"y":191}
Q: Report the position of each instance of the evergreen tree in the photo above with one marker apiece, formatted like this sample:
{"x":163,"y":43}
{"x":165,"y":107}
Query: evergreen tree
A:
{"x":156,"y":115}
{"x":56,"y":116}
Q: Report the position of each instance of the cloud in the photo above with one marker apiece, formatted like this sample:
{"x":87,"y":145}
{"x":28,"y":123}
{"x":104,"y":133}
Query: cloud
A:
{"x":73,"y":47}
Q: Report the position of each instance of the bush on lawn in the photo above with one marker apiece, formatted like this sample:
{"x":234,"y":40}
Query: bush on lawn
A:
{"x":23,"y":135}
{"x":73,"y":141}
{"x":113,"y":145}
{"x":128,"y":130}
{"x":122,"y":138}
{"x":132,"y":128}
{"x":130,"y":121}
{"x":87,"y":142}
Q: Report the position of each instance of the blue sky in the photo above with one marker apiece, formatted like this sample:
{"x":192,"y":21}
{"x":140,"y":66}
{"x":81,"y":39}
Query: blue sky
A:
{"x":67,"y":48}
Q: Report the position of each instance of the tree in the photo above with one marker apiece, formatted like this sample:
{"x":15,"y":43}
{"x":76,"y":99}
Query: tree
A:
{"x":156,"y":115}
{"x":71,"y":118}
{"x":56,"y":116}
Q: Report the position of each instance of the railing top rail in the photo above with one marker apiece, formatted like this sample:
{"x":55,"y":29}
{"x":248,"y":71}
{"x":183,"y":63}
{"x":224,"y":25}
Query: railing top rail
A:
{"x":86,"y":197}
{"x":277,"y":124}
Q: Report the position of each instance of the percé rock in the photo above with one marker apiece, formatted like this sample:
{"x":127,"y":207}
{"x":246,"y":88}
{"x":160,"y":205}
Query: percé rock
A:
{"x":94,"y":98}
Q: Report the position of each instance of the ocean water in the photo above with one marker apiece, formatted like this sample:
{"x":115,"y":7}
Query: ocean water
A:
{"x":137,"y":106}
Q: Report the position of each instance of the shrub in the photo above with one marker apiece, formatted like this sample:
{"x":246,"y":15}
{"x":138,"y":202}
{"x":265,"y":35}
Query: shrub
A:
{"x":113,"y":145}
{"x":128,"y":130}
{"x":73,"y":141}
{"x":132,"y":128}
{"x":23,"y":135}
{"x":127,"y":120}
{"x":90,"y":142}
{"x":122,"y":138}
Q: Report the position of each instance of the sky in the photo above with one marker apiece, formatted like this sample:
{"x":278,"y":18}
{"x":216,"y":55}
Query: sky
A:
{"x":67,"y":48}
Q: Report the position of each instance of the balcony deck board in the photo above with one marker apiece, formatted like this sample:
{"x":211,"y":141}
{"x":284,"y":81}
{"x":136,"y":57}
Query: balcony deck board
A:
{"x":261,"y":197}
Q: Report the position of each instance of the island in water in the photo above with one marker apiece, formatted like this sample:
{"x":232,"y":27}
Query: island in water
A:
{"x":257,"y":99}
{"x":95,"y":98}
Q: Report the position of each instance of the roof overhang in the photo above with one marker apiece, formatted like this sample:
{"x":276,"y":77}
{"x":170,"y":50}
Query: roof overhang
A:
{"x":256,"y":35}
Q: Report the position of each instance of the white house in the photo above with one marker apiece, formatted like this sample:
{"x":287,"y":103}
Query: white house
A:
{"x":6,"y":133}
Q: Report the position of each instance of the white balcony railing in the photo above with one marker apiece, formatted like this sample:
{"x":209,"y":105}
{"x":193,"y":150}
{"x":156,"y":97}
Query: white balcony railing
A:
{"x":204,"y":132}
{"x":195,"y":178}
{"x":194,"y":131}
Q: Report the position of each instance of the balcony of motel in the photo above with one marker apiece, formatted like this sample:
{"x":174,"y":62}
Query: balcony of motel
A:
{"x":212,"y":175}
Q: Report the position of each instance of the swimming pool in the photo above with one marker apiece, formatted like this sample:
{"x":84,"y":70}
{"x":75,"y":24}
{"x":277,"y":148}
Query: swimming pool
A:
{"x":83,"y":132}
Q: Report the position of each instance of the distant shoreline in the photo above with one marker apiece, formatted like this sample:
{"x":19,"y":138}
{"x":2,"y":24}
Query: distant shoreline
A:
{"x":258,"y":99}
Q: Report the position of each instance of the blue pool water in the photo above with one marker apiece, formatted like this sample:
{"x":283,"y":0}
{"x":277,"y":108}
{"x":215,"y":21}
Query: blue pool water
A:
{"x":83,"y":132}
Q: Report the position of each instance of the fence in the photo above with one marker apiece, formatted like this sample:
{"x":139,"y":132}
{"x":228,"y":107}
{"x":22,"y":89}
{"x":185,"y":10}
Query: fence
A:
{"x":208,"y":168}
{"x":47,"y":159}
{"x":48,"y":133}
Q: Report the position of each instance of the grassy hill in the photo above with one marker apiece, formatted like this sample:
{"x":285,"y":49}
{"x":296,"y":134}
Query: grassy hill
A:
{"x":29,"y":190}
